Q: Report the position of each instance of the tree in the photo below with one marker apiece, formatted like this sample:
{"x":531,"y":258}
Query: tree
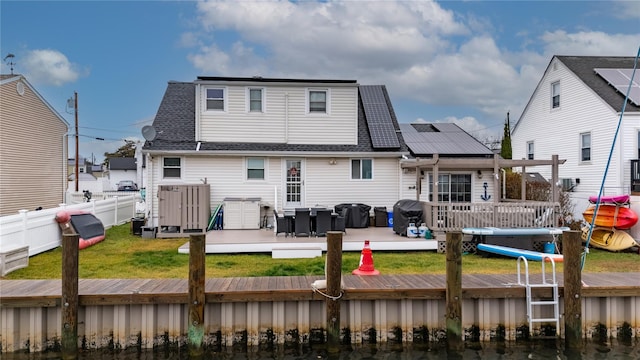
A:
{"x":126,"y":150}
{"x":505,"y":149}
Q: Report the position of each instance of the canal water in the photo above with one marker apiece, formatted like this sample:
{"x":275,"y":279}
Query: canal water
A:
{"x":539,"y":349}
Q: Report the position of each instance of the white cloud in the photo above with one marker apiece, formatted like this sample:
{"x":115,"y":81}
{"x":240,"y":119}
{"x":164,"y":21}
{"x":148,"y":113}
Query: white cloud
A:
{"x":419,"y":50}
{"x":590,"y":43}
{"x":627,"y":9}
{"x":50,"y":67}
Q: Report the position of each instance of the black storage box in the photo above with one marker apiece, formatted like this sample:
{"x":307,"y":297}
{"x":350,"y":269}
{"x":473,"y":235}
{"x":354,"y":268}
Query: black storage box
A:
{"x":380,"y":214}
{"x":404,"y":213}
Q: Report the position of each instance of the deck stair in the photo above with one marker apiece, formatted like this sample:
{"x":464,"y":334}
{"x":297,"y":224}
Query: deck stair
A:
{"x":538,"y":301}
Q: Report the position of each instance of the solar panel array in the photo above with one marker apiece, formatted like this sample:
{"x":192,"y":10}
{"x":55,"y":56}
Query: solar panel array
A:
{"x":620,"y":79}
{"x":379,"y":121}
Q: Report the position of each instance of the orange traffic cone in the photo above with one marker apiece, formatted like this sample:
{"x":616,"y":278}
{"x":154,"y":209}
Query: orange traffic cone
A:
{"x":366,"y":262}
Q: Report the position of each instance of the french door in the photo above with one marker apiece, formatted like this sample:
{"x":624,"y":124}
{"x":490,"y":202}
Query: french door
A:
{"x":294,"y":183}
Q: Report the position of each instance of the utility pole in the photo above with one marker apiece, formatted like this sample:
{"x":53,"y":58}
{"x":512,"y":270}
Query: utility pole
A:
{"x":75,"y":111}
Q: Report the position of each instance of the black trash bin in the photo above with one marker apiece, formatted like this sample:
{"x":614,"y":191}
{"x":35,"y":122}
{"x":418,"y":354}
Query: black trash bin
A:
{"x":357,"y":214}
{"x":404,"y":213}
{"x":381,"y":217}
{"x":136,"y":225}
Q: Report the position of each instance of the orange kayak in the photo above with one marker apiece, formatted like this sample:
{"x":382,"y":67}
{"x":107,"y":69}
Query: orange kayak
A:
{"x":612,"y":216}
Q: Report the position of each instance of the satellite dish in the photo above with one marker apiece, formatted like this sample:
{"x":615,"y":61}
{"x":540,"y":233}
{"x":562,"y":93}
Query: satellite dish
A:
{"x":149,"y":132}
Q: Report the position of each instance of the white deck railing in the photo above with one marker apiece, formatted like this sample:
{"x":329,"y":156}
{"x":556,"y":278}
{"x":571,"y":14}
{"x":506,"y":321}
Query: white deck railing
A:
{"x":40,"y":232}
{"x":456,"y":216}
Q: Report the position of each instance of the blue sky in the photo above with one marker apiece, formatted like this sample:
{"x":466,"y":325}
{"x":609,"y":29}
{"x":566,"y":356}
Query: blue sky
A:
{"x":468,"y":62}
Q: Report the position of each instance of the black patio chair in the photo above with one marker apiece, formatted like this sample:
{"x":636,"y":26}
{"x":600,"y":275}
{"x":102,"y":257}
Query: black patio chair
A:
{"x":303,"y":222}
{"x":340,"y":222}
{"x":281,"y":224}
{"x":323,"y":222}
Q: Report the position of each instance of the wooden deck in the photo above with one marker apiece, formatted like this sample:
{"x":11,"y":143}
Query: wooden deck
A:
{"x":264,"y":241}
{"x":47,"y":293}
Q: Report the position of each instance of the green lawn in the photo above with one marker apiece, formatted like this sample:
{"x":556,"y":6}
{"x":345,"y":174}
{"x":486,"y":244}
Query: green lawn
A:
{"x":122,"y":255}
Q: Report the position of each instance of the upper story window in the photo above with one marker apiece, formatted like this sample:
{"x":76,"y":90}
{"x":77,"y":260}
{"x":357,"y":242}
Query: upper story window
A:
{"x":361,"y":169}
{"x":255,"y":98}
{"x":171,"y":167}
{"x":255,"y":168}
{"x":638,"y":144}
{"x":585,"y":147}
{"x":530,"y":150}
{"x":555,"y":95}
{"x":215,"y":98}
{"x":318,"y":101}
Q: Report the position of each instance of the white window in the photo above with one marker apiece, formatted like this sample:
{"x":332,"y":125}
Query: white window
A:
{"x":171,"y":167}
{"x":318,"y":102}
{"x":530,"y":150}
{"x":255,"y":99}
{"x":255,"y":168}
{"x":361,"y":169}
{"x":452,"y":187}
{"x":585,"y":147}
{"x":555,"y":95}
{"x":215,"y":99}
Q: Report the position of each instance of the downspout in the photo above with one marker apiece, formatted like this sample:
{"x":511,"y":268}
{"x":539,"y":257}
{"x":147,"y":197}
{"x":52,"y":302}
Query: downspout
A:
{"x":286,"y":118}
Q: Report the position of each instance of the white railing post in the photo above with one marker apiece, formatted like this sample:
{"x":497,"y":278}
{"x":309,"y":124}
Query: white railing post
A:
{"x":23,"y":214}
{"x":115,"y":212}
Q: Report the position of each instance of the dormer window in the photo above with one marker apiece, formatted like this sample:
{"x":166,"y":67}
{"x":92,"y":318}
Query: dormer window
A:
{"x":255,"y":98}
{"x":215,"y":99}
{"x":317,"y":101}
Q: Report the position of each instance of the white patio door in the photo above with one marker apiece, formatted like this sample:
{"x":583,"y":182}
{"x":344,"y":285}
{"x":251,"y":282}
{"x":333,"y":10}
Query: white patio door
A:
{"x":294,"y":183}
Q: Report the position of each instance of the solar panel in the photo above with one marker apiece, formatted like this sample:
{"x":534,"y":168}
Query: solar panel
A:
{"x":379,"y":121}
{"x":620,"y":80}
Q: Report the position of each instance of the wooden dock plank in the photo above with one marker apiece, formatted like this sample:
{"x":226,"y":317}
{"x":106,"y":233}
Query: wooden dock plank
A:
{"x":17,"y":293}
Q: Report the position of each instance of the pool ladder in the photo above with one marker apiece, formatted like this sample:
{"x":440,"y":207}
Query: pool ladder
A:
{"x":544,"y":284}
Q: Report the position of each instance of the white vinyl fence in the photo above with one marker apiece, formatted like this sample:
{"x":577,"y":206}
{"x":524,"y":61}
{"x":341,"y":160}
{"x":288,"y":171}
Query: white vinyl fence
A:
{"x":40,"y":232}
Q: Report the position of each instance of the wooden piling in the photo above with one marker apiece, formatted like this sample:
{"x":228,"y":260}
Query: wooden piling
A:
{"x":196,"y":295}
{"x":453,"y":296}
{"x":334,"y":289}
{"x":69,"y":338}
{"x":572,"y":252}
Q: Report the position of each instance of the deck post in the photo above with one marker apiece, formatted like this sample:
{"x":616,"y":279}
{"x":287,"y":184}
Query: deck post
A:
{"x":69,"y":342}
{"x":334,"y":289}
{"x":454,"y":292}
{"x":571,"y":250}
{"x":196,"y":295}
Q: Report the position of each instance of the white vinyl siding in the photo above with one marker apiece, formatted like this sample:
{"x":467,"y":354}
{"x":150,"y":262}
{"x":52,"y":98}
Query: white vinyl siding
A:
{"x":33,"y":170}
{"x":324,"y":183}
{"x":284,"y":118}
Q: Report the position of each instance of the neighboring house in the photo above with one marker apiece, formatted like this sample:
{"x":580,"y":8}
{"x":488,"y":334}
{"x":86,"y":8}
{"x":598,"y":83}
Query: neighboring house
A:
{"x":33,"y":148}
{"x":574,"y":112}
{"x":289,"y":142}
{"x":84,"y":166}
{"x":122,"y":168}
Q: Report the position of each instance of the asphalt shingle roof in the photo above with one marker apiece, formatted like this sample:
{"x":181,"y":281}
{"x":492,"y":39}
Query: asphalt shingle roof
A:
{"x":583,"y":67}
{"x":175,"y":128}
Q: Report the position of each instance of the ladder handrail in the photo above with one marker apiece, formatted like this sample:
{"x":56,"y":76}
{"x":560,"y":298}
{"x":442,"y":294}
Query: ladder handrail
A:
{"x":544,"y":284}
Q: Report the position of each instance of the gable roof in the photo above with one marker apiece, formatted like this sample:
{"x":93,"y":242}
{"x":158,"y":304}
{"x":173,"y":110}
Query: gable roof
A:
{"x":583,"y":67}
{"x":122,"y":163}
{"x":175,"y":125}
{"x":444,"y":139}
{"x":10,"y":78}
